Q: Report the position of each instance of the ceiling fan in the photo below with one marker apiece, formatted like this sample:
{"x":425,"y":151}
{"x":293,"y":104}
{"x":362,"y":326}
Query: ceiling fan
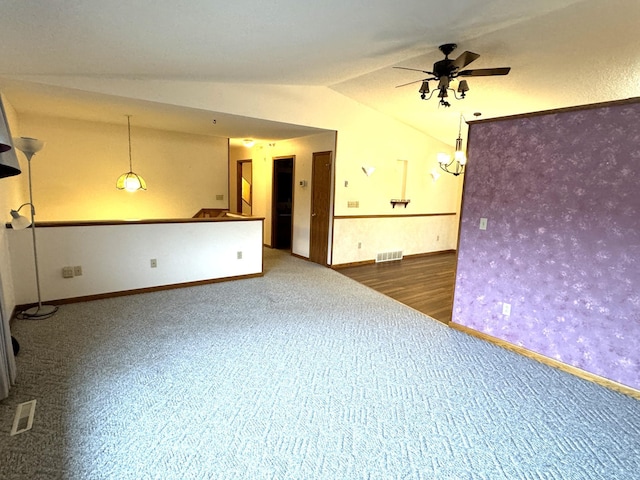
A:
{"x":447,"y":69}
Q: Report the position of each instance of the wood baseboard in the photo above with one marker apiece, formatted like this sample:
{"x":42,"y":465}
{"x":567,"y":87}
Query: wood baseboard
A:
{"x":352,"y":264}
{"x":122,"y":293}
{"x":338,"y":266}
{"x":578,"y":372}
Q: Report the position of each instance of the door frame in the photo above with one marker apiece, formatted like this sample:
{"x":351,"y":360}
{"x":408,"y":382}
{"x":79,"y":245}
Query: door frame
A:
{"x":273,"y":195}
{"x":239,"y":165}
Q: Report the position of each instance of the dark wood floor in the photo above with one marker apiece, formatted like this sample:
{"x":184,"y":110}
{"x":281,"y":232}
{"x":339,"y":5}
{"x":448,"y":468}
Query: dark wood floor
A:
{"x":424,"y":283}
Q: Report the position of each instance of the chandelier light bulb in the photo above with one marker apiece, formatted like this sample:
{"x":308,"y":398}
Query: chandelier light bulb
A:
{"x":443,"y":158}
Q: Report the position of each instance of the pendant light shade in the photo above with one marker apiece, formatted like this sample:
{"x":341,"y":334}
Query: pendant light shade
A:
{"x":9,"y":165}
{"x":130,"y":181}
{"x":5,"y":144}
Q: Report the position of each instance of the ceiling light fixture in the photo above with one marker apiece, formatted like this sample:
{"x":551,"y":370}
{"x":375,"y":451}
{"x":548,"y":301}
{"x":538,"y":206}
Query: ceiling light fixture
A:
{"x":248,"y":142}
{"x":447,"y":70}
{"x":130,"y":181}
{"x":368,"y":170}
{"x":454,"y":166}
{"x":443,"y":88}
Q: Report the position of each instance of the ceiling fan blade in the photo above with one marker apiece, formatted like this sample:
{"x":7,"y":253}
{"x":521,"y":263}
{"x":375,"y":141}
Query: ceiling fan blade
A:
{"x":415,"y":81}
{"x":465,"y":59}
{"x":484,"y":72}
{"x":415,"y":70}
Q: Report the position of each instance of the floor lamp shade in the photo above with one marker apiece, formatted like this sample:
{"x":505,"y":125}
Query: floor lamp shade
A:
{"x":9,"y":165}
{"x":18,"y":222}
{"x":28,"y":145}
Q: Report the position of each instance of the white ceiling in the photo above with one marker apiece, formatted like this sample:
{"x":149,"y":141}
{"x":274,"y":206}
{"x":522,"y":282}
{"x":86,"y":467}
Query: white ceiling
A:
{"x":562,"y":52}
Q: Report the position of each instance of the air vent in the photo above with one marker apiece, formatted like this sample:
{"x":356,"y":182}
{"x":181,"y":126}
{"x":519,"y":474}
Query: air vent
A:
{"x":24,"y":417}
{"x":389,"y":256}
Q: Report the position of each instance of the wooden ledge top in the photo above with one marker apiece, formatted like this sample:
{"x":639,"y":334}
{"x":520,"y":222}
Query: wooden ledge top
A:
{"x":92,"y":223}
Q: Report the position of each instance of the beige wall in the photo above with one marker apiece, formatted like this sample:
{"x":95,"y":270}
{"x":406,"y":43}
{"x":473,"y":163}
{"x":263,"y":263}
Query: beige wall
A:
{"x":365,"y":136}
{"x":74,"y":175}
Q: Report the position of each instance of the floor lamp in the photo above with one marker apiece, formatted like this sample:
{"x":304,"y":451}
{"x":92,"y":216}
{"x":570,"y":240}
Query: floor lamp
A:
{"x":29,"y":146}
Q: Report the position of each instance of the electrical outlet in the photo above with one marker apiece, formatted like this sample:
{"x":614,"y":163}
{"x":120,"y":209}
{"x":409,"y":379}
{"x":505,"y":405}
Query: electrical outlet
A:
{"x":239,"y":255}
{"x":77,"y":270}
{"x":154,"y":263}
{"x":483,"y":224}
{"x":353,"y":204}
{"x":67,"y":272}
{"x":219,"y":197}
{"x":506,"y":309}
{"x":359,"y":245}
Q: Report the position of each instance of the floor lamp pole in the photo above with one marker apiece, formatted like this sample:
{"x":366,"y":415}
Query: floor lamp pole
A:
{"x":40,"y":311}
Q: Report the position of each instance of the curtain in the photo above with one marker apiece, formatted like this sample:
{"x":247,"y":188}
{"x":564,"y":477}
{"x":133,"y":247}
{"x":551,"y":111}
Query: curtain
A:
{"x":7,"y":360}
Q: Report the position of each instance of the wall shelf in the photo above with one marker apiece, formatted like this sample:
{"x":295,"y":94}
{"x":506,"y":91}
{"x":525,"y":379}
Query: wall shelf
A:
{"x":400,"y":202}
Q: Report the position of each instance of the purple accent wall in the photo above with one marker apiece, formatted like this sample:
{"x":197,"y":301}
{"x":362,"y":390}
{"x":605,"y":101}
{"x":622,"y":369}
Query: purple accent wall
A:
{"x":561,"y":194}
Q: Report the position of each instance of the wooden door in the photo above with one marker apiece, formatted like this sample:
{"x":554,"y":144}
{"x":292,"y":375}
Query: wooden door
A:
{"x":320,"y":207}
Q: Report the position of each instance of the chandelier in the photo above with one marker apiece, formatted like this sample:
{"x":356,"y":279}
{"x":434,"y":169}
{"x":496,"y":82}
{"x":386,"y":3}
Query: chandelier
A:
{"x":454,"y":166}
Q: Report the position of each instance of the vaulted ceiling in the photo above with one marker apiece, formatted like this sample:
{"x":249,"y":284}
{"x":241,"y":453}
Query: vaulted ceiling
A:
{"x":562,"y":52}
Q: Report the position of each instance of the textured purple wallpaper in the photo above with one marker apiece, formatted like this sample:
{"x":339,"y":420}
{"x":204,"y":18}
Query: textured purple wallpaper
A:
{"x":561,"y":194}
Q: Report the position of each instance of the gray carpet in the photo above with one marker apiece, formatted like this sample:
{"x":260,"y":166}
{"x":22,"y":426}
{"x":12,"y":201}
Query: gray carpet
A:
{"x":301,"y":374}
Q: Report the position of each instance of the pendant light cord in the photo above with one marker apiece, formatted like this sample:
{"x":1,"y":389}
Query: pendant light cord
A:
{"x":129,"y":130}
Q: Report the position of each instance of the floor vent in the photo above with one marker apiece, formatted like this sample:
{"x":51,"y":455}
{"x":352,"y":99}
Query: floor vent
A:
{"x":389,"y":256}
{"x":24,"y":417}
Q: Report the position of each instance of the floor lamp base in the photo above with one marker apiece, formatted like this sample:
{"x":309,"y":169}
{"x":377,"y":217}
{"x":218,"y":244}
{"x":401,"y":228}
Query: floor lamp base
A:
{"x":39,"y":312}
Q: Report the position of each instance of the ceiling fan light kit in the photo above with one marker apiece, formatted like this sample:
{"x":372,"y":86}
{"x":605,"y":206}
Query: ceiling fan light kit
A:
{"x":446,"y":70}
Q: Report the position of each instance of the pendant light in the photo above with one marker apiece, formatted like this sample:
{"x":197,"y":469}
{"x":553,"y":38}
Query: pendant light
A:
{"x":456,"y":165}
{"x":130,"y":181}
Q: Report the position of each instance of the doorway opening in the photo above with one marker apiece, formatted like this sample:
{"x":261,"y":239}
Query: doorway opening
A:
{"x":244,"y":187}
{"x":282,"y":203}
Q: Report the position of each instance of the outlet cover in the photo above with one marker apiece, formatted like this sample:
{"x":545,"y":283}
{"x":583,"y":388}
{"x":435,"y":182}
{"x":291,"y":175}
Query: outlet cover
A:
{"x":239,"y":255}
{"x":483,"y":224}
{"x":506,"y":309}
{"x":67,"y":272}
{"x":154,"y":263}
{"x":77,"y":270}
